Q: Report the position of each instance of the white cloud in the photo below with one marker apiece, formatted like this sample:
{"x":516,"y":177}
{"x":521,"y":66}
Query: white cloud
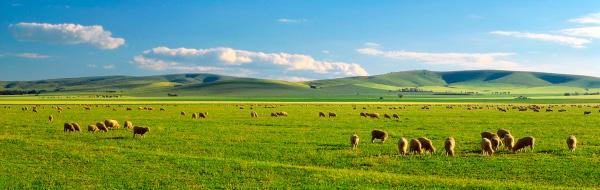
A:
{"x":589,"y":32}
{"x":66,"y":34}
{"x":31,"y":55}
{"x":26,"y":55}
{"x":325,"y":52}
{"x":229,"y":60}
{"x":289,"y":21}
{"x":565,"y":40}
{"x":372,"y":44}
{"x":92,"y":65}
{"x":468,"y":60}
{"x":108,"y":66}
{"x":593,"y":18}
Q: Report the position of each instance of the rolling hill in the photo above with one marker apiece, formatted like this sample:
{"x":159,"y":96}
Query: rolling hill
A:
{"x":480,"y":81}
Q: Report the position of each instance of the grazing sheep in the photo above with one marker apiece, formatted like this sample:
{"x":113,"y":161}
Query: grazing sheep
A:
{"x":487,"y":135}
{"x":182,"y":113}
{"x":282,"y":113}
{"x":50,"y":118}
{"x":127,"y":125}
{"x":253,"y":114}
{"x":524,"y":142}
{"x":426,"y":145}
{"x":274,"y":114}
{"x":572,"y":142}
{"x":162,"y":109}
{"x":415,"y":146}
{"x":112,"y":123}
{"x":203,"y":115}
{"x":128,"y":109}
{"x":363,"y":114}
{"x":402,"y":146}
{"x":101,"y":127}
{"x":379,"y":134}
{"x":354,"y":141}
{"x":140,"y":130}
{"x":496,"y":142}
{"x":486,"y":147}
{"x":396,"y":116}
{"x":449,"y":146}
{"x":587,"y":112}
{"x":68,"y":127}
{"x":509,"y":141}
{"x":92,"y":128}
{"x":387,"y":116}
{"x":502,"y":132}
{"x":194,"y":116}
{"x":332,"y":114}
{"x":374,"y":115}
{"x":321,"y":114}
{"x":76,"y":127}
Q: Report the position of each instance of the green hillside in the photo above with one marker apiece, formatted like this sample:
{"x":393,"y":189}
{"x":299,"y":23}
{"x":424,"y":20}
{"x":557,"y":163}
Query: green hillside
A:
{"x":478,"y":81}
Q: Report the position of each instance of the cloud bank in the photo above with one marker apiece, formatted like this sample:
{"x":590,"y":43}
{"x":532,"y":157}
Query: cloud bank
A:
{"x":66,"y":34}
{"x":224,"y":60}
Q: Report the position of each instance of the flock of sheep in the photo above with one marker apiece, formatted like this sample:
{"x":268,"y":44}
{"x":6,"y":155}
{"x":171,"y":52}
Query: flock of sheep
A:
{"x":104,"y":127}
{"x":490,"y":142}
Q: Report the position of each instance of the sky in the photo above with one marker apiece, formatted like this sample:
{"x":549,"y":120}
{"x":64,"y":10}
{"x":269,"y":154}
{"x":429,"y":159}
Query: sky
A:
{"x":294,"y":40}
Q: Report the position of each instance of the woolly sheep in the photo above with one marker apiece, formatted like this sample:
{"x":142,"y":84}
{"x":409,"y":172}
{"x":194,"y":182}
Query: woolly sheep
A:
{"x":396,"y":116}
{"x":426,"y":145}
{"x":253,"y":114}
{"x":387,"y":116}
{"x":274,"y":114}
{"x":92,"y":128}
{"x":101,"y":127}
{"x":76,"y":127}
{"x":68,"y":127}
{"x":486,"y":147}
{"x":415,"y":146}
{"x":203,"y":115}
{"x":402,"y":146}
{"x":449,"y":146}
{"x":572,"y":142}
{"x":354,"y":140}
{"x":379,"y":134}
{"x":182,"y":113}
{"x":495,"y":142}
{"x":524,"y":142}
{"x":502,"y":132}
{"x":332,"y":114}
{"x":194,"y":116}
{"x":140,"y":131}
{"x":509,"y":141}
{"x":321,"y":114}
{"x":111,"y":123}
{"x":50,"y":118}
{"x":127,"y":125}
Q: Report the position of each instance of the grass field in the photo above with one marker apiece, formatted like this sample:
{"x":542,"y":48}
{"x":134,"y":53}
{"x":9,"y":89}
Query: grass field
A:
{"x":231,"y":150}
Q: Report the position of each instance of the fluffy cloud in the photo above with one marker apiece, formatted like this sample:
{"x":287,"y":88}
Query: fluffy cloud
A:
{"x":289,"y":21}
{"x":589,"y":32}
{"x":242,"y":62}
{"x":593,"y":18}
{"x":468,"y":60}
{"x":66,"y":34}
{"x":565,"y":40}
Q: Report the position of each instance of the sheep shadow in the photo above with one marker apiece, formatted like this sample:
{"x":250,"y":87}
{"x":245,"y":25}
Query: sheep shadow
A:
{"x":331,"y":147}
{"x":115,"y":138}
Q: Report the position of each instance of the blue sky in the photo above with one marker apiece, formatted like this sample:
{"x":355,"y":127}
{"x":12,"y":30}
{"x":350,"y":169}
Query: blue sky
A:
{"x":294,"y":40}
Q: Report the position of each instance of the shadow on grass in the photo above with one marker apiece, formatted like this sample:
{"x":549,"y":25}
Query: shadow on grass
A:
{"x":115,"y":138}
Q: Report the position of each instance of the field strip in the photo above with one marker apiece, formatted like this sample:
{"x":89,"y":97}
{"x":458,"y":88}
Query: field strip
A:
{"x":168,"y":102}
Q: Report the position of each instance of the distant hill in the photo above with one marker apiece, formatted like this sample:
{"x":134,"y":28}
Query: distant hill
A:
{"x":480,"y":81}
